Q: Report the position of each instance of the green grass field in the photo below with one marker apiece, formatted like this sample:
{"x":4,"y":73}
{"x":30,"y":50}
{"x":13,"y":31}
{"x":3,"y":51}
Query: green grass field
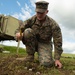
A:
{"x":9,"y":66}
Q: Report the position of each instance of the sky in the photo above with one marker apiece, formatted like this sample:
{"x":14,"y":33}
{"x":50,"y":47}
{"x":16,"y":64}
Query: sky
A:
{"x":62,"y":11}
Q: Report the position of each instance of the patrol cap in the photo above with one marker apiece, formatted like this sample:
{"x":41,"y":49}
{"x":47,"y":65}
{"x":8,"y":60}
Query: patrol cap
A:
{"x":41,"y":6}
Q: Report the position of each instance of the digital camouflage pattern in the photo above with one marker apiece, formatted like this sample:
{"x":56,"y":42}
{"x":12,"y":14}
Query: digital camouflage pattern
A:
{"x":41,"y":6}
{"x":38,"y":37}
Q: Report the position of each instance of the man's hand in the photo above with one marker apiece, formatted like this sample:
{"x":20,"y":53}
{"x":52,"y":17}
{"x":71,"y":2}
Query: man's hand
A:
{"x":58,"y":64}
{"x":19,"y":36}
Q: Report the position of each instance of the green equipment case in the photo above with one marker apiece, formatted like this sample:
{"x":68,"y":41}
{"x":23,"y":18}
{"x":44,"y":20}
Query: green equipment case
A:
{"x":8,"y":25}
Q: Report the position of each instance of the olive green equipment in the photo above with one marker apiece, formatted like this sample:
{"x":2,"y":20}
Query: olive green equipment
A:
{"x":8,"y":26}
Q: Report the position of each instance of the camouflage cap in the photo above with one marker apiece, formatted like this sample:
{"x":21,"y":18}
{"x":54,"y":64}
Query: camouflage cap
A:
{"x":41,"y":6}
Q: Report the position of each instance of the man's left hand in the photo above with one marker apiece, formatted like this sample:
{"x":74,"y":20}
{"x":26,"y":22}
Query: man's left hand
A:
{"x":58,"y":64}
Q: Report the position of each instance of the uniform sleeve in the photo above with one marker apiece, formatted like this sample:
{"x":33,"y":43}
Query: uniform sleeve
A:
{"x":57,"y":40}
{"x":26,"y":24}
{"x":23,"y":25}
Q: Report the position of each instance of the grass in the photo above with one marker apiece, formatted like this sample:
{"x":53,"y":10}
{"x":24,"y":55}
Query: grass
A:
{"x":13,"y":49}
{"x":8,"y":65}
{"x":68,"y":55}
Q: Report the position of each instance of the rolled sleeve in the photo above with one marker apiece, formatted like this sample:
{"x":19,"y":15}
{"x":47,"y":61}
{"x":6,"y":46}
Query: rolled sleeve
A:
{"x":57,"y":40}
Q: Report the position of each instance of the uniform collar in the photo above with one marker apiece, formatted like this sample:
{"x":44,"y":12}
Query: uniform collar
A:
{"x":39,"y":23}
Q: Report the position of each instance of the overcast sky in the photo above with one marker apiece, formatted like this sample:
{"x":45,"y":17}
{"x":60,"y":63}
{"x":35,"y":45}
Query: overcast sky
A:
{"x":63,"y":11}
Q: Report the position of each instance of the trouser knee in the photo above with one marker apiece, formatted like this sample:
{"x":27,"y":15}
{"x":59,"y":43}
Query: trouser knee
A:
{"x":29,"y":39}
{"x":28,"y":33}
{"x":28,"y":36}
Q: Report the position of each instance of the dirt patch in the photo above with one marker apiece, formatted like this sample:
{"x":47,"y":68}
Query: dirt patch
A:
{"x":9,"y":66}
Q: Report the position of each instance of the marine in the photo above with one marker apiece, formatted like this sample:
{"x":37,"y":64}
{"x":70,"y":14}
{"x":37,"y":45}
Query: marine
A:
{"x":37,"y":35}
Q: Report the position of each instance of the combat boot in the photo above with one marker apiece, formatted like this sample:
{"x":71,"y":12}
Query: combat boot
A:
{"x":28,"y":58}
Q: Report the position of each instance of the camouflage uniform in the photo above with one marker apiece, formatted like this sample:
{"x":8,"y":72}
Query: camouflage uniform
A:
{"x":38,"y":37}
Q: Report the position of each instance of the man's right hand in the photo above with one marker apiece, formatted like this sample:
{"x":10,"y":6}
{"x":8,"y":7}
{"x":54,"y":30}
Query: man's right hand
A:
{"x":18,"y":36}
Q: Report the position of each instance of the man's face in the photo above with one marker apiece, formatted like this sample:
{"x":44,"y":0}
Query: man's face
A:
{"x":41,"y":16}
